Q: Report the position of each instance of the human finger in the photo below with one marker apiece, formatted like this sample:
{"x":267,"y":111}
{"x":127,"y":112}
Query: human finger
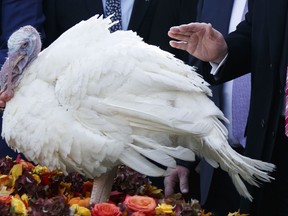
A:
{"x":169,"y":185}
{"x":179,"y":44}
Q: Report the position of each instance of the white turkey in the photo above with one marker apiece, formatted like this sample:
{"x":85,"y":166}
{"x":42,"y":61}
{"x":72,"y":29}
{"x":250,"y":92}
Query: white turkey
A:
{"x":93,"y":100}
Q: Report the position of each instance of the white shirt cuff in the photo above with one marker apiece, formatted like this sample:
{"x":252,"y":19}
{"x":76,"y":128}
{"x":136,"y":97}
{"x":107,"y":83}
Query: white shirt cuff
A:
{"x":215,"y":67}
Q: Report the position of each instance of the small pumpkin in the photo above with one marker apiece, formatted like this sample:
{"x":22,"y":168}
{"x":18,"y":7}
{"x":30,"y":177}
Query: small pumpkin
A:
{"x":84,"y":202}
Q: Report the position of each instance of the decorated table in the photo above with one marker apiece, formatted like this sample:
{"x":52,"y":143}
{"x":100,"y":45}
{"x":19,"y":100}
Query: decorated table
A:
{"x":27,"y":189}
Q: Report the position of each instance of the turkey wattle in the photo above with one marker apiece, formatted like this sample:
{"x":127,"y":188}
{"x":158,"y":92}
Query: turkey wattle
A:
{"x":94,"y":99}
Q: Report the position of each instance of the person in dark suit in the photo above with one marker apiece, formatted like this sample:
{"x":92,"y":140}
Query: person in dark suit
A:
{"x":13,"y":15}
{"x":224,"y":15}
{"x":151,"y":19}
{"x":260,"y":46}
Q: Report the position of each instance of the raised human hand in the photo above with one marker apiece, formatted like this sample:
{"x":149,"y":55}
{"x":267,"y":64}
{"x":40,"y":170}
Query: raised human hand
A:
{"x":200,"y":40}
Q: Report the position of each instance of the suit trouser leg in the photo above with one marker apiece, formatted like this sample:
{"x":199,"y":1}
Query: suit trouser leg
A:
{"x":272,"y":198}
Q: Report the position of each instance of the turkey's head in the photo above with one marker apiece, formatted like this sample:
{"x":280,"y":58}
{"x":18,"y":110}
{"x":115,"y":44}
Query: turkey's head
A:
{"x":23,"y":47}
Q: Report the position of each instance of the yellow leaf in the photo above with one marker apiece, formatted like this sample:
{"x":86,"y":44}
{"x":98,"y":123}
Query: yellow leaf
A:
{"x":80,"y":211}
{"x":5,"y":192}
{"x":157,"y":191}
{"x":25,"y":199}
{"x":39,"y":170}
{"x":18,"y":206}
{"x":37,"y":178}
{"x":164,"y":209}
{"x":16,"y":171}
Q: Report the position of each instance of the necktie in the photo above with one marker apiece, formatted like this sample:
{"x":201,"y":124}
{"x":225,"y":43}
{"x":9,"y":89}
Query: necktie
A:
{"x":114,"y":7}
{"x":240,"y":106}
{"x":241,"y":88}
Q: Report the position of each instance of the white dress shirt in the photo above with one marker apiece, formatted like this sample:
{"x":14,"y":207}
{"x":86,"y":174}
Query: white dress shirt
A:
{"x":238,"y":12}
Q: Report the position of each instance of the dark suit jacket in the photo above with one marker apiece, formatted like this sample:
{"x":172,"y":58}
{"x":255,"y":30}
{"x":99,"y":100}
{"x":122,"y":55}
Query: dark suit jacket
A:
{"x":260,"y":45}
{"x":151,"y":19}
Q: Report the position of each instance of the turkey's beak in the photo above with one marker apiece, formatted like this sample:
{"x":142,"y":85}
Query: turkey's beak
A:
{"x":17,"y":60}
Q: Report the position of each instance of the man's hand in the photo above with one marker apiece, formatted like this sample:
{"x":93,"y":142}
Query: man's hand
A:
{"x":200,"y":40}
{"x":178,"y":175}
{"x":4,"y":97}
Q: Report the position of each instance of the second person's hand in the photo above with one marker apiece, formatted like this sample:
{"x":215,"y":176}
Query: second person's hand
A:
{"x":4,"y":97}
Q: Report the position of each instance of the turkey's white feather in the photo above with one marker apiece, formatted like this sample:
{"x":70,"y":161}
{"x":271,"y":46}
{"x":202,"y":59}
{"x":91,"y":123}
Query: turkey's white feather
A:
{"x":94,"y":99}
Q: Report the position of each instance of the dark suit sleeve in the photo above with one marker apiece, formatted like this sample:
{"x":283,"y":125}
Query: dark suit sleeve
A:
{"x":18,"y":13}
{"x":188,"y":164}
{"x":238,"y":61}
{"x":239,"y":52}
